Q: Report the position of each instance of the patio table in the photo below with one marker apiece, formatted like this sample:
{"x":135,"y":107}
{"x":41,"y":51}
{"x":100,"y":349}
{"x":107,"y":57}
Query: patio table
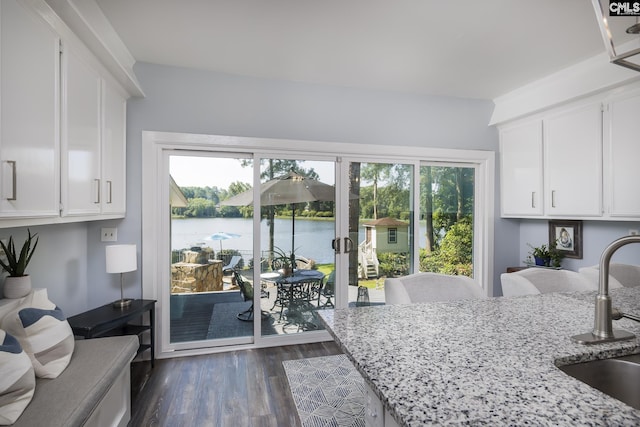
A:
{"x":295,"y":293}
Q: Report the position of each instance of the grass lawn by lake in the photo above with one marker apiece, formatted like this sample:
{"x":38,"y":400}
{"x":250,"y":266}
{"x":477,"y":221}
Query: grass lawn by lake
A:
{"x":367,"y":283}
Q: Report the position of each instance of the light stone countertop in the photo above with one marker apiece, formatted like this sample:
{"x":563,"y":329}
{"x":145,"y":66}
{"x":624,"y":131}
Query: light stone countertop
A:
{"x":485,"y":362}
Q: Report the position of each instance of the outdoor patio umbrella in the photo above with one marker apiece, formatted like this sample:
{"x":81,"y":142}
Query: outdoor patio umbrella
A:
{"x":221,"y":235}
{"x":290,"y":189}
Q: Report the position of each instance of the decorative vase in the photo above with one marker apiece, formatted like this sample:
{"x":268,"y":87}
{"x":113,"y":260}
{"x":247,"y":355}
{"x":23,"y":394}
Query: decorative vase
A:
{"x":17,"y":287}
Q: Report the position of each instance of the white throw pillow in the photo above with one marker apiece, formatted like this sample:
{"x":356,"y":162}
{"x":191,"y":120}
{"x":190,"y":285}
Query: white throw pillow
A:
{"x":45,"y":335}
{"x":17,"y":379}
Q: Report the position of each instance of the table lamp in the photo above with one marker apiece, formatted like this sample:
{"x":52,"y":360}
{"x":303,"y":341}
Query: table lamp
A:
{"x":121,"y":259}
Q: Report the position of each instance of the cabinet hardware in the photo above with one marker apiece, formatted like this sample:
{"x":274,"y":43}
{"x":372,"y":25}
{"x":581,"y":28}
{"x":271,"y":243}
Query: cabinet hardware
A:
{"x":12,"y":164}
{"x":533,"y":199}
{"x":109,"y":194}
{"x":553,"y":198}
{"x":97,"y":186}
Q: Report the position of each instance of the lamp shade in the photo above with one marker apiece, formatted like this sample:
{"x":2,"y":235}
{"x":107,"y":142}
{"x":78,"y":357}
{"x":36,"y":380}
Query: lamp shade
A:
{"x":121,"y":258}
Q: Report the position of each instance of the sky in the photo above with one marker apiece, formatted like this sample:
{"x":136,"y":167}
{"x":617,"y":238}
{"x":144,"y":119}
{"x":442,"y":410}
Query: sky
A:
{"x":189,"y":171}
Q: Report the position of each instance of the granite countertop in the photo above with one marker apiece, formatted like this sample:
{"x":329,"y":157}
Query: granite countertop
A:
{"x":485,"y":362}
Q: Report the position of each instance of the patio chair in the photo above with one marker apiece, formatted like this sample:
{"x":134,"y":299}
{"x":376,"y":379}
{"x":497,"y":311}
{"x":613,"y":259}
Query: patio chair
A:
{"x":327,"y":290}
{"x":430,"y":287}
{"x":246,"y":290}
{"x":233,"y":264}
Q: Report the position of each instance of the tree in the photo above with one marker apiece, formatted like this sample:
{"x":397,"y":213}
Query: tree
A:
{"x":375,"y":172}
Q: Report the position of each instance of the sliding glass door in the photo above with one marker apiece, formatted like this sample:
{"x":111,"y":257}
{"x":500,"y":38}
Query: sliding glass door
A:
{"x":403,"y":218}
{"x":246,"y":241}
{"x":230,"y":283}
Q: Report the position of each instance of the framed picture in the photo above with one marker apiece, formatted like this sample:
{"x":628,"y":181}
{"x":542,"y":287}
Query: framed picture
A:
{"x":568,"y":237}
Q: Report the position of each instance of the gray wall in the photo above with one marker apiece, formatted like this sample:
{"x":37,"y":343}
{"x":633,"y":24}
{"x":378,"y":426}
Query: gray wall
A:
{"x":186,"y":100}
{"x":596,"y":235}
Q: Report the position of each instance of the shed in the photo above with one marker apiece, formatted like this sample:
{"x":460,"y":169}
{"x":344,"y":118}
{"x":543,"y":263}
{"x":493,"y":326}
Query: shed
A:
{"x":387,"y":235}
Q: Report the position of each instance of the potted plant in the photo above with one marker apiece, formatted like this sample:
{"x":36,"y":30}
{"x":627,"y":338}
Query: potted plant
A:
{"x":545,"y":256}
{"x":18,"y":283}
{"x":282,"y":261}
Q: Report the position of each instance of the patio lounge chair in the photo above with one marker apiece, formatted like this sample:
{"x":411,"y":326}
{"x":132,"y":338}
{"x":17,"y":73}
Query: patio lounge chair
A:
{"x":233,"y":264}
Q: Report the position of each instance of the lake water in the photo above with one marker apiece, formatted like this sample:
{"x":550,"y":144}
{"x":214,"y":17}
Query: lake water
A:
{"x":312,"y":239}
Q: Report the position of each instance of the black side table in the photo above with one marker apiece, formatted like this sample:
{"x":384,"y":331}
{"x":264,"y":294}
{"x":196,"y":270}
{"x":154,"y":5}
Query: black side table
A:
{"x":111,"y":321}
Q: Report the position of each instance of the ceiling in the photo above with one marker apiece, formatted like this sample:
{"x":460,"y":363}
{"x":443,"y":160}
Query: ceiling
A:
{"x":464,"y":48}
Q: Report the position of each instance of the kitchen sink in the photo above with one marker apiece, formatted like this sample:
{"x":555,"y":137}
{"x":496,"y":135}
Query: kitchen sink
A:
{"x":618,"y":377}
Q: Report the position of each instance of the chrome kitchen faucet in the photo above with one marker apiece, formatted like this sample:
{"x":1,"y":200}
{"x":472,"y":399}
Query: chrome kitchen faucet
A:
{"x":603,"y":326}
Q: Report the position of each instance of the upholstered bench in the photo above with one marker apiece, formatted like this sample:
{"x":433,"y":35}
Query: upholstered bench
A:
{"x":94,"y":390}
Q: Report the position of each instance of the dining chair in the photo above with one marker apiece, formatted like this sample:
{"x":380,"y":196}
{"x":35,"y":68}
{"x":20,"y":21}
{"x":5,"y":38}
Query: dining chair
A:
{"x":430,"y":287}
{"x":534,"y":280}
{"x":246,"y":290}
{"x":620,"y":275}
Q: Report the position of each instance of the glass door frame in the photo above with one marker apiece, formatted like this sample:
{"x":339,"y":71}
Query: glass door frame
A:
{"x":155,"y":197}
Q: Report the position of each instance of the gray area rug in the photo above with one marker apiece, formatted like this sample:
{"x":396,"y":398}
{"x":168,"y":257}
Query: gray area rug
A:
{"x":225,"y":324}
{"x":328,"y":391}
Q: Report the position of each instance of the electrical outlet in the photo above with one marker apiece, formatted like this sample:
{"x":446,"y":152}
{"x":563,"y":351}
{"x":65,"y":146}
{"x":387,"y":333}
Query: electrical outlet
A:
{"x":109,"y":234}
{"x":633,"y":232}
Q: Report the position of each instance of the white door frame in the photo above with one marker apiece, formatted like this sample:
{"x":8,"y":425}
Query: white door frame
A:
{"x":155,"y":194}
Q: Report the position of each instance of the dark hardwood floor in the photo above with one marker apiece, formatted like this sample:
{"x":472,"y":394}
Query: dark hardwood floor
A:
{"x":235,"y":389}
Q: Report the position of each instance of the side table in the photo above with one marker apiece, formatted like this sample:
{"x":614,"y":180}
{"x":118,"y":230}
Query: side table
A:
{"x":110,"y":321}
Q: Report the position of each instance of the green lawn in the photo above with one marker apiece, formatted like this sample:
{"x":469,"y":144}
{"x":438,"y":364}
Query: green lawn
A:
{"x":368,"y":283}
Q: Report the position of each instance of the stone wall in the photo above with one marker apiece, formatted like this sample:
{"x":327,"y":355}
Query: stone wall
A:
{"x":195,"y":277}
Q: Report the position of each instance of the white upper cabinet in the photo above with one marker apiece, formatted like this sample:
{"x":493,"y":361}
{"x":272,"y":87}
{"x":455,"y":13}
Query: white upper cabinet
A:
{"x":521,"y":169}
{"x":621,"y":154}
{"x":80,"y":136}
{"x":551,"y":165}
{"x":573,"y":162}
{"x":29,"y":124}
{"x":114,"y":116}
{"x":62,"y":122}
{"x":93,"y":139}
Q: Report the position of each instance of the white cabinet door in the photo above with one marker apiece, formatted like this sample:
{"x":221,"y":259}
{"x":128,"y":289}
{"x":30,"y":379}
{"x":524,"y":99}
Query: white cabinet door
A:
{"x":622,"y":152}
{"x":80,"y":136}
{"x":573,"y":162}
{"x":521,"y":169}
{"x":114,"y":104}
{"x":29,"y":106}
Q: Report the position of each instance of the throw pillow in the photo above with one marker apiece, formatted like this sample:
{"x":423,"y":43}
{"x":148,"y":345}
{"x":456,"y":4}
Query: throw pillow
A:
{"x":45,"y":335}
{"x":17,"y":380}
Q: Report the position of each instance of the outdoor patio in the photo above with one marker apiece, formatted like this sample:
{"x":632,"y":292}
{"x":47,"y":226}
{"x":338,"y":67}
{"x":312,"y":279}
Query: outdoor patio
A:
{"x":213,"y":315}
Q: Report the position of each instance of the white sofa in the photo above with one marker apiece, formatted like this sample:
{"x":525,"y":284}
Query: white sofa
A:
{"x":93,"y":390}
{"x":430,"y":287}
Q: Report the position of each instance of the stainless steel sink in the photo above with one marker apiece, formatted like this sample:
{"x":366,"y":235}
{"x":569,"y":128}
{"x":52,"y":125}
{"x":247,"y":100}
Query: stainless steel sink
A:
{"x":618,"y":377}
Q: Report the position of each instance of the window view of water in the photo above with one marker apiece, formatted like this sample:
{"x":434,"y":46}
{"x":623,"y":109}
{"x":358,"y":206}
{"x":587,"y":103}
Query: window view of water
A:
{"x":312,"y":239}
